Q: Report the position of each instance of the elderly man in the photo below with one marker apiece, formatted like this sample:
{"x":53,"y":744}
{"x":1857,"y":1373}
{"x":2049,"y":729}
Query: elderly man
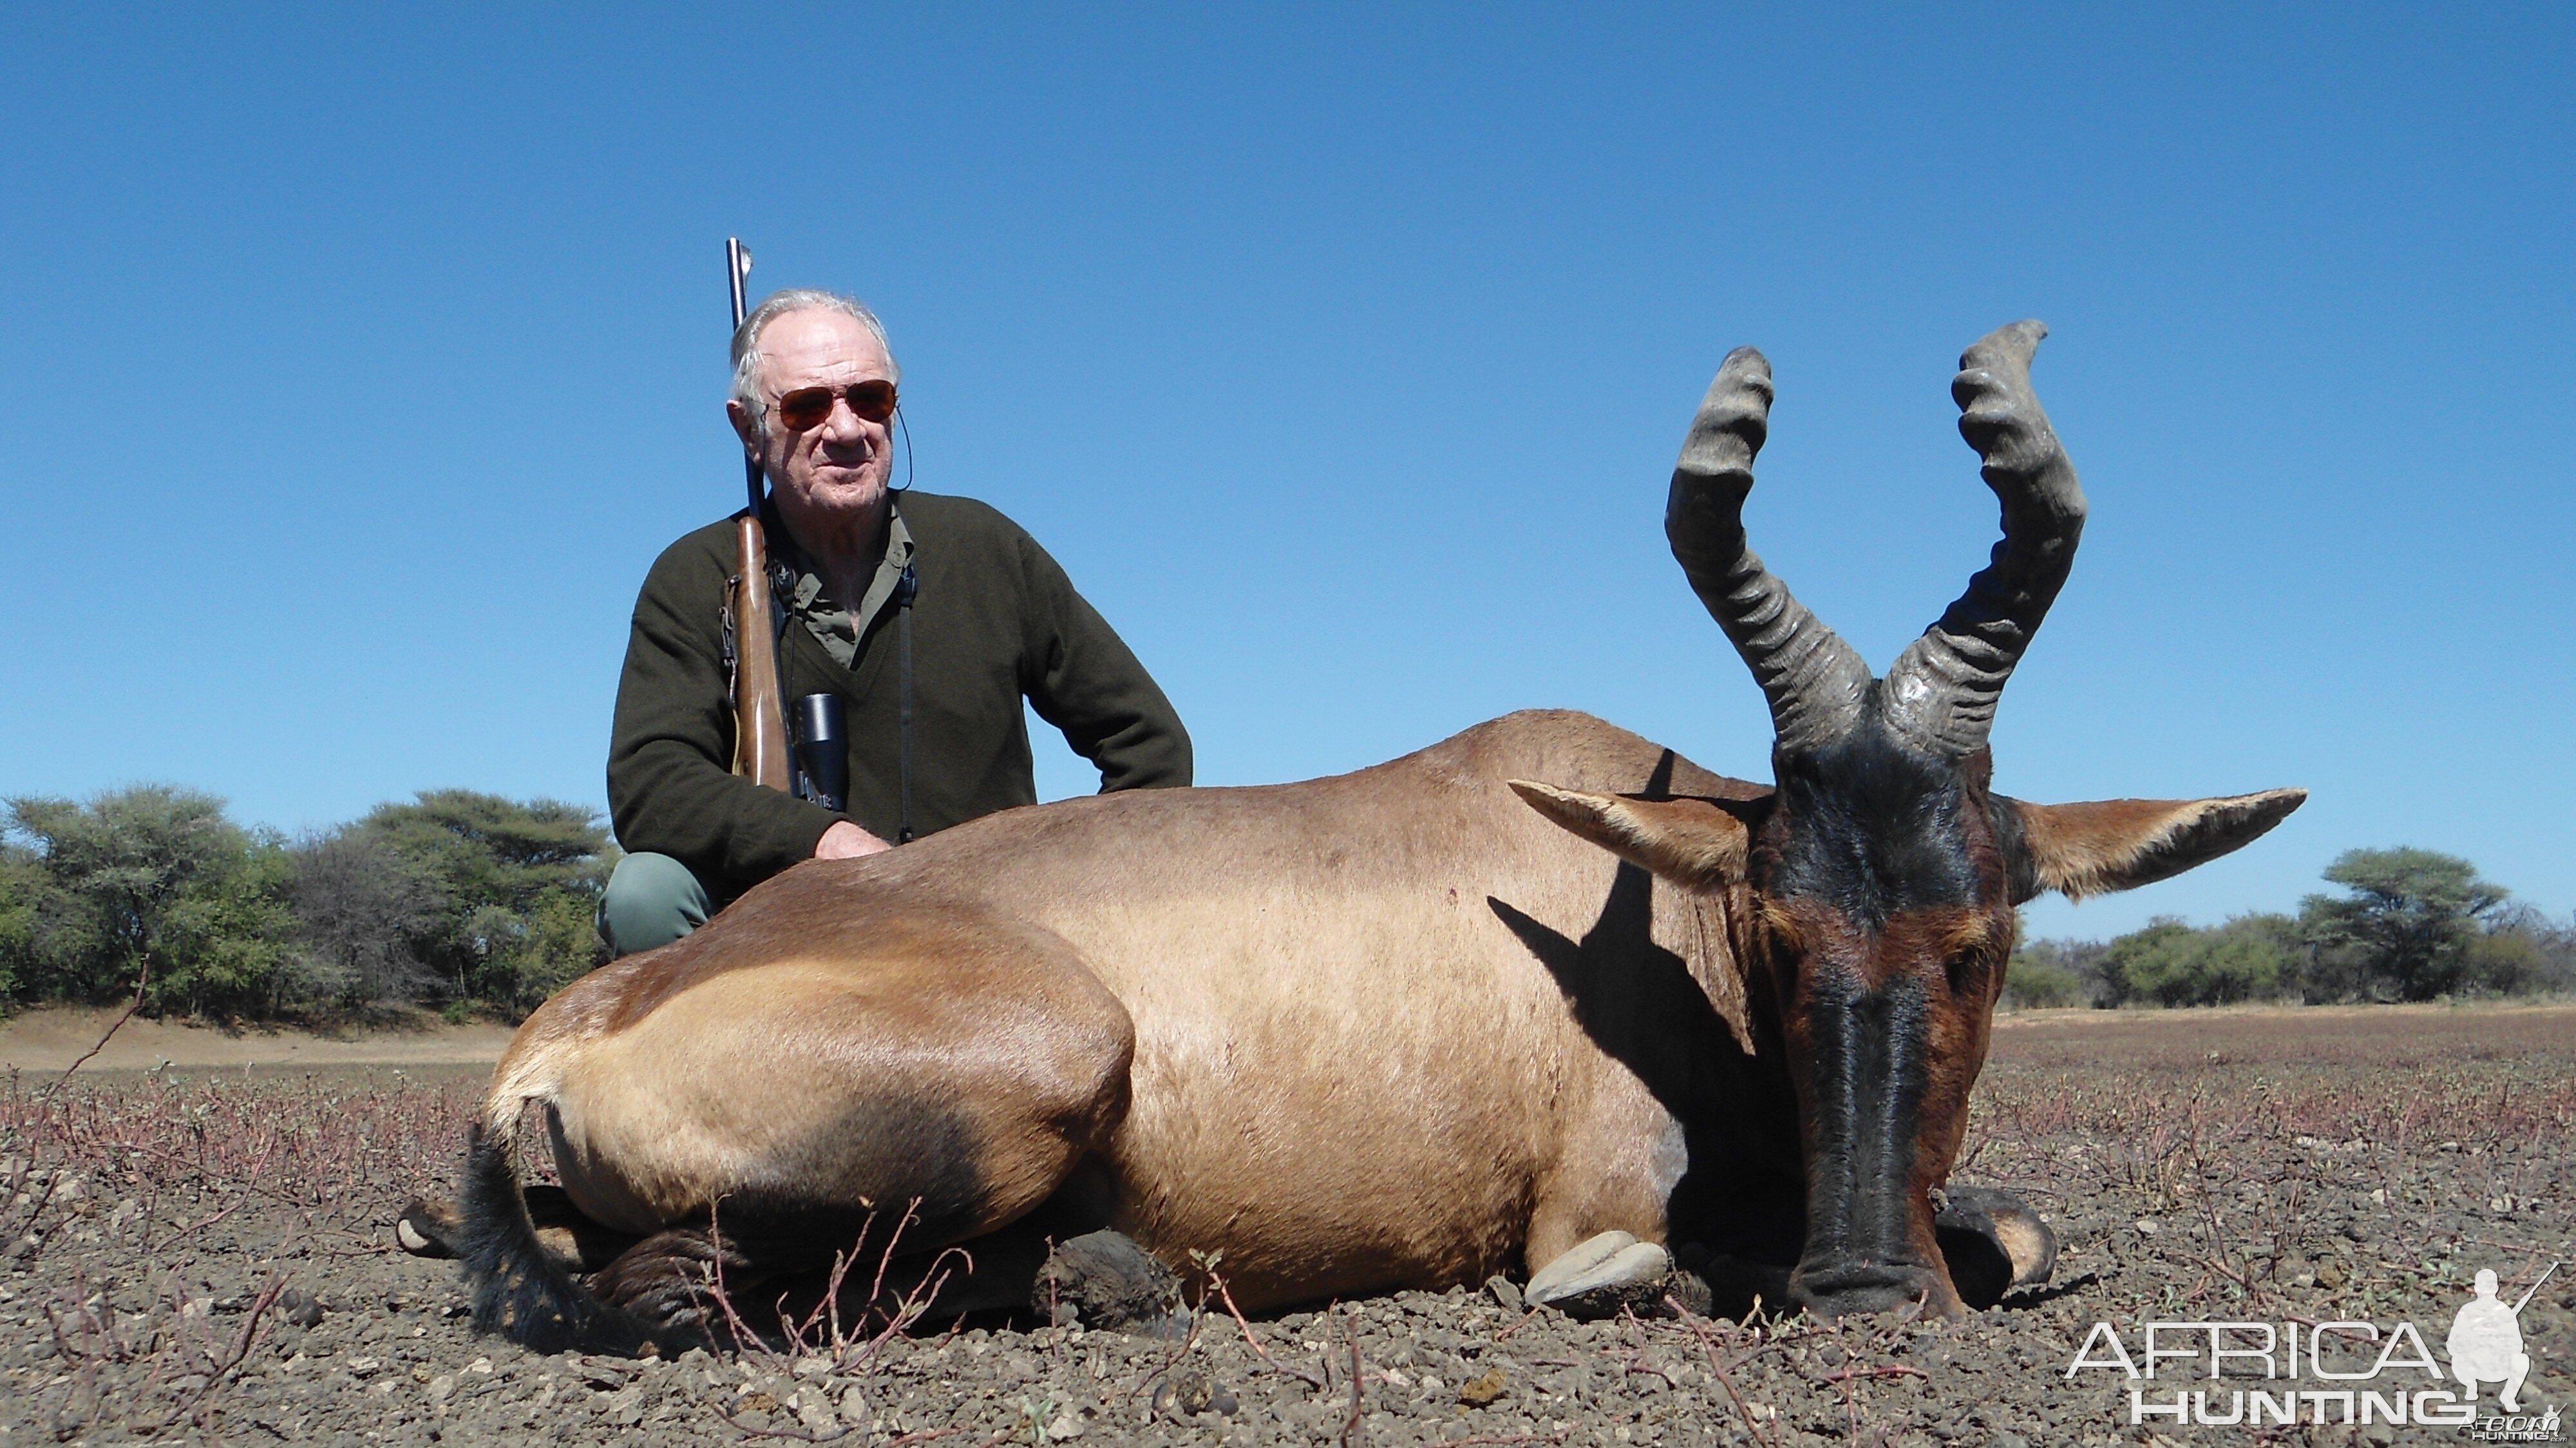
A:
{"x":993,"y":619}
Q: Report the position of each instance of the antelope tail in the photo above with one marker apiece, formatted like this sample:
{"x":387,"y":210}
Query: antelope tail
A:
{"x":519,"y":1291}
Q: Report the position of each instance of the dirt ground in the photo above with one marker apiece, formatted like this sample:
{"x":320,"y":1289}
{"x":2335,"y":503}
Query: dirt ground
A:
{"x":50,"y":1040}
{"x":205,"y":1253}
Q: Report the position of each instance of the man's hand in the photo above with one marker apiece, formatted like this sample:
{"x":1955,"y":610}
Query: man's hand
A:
{"x":846,"y":841}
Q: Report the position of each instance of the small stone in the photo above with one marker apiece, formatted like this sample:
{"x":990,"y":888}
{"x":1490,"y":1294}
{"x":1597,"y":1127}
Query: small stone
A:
{"x":1066,"y":1425}
{"x":1184,"y":1393}
{"x":1500,"y":1288}
{"x":299,"y":1308}
{"x":1484,"y":1391}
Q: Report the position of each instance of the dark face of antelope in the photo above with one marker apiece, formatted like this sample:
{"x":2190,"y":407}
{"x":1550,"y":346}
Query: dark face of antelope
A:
{"x":1874,"y":889}
{"x":1883,"y":917}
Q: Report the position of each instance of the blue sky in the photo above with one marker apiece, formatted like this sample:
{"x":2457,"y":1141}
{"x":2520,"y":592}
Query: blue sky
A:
{"x":353,"y":366}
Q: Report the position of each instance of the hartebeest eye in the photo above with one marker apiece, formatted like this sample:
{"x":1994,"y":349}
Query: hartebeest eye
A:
{"x":1966,"y":969}
{"x":1781,"y":933}
{"x":1967,"y":956}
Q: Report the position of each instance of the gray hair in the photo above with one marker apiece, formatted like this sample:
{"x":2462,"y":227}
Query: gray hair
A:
{"x":747,"y":356}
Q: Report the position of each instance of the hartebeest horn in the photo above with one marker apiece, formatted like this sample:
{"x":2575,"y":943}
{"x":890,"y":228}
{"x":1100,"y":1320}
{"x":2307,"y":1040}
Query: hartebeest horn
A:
{"x":1813,"y":679}
{"x":1941,"y":695}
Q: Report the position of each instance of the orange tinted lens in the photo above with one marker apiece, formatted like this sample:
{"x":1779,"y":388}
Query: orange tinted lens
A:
{"x":873,"y":401}
{"x":805,"y":407}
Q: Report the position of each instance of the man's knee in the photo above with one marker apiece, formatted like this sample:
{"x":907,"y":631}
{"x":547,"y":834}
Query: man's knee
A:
{"x":651,"y":900}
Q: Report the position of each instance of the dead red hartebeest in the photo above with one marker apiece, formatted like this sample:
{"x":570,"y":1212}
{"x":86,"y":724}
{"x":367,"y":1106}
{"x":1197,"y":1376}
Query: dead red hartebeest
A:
{"x":1488,"y":1005}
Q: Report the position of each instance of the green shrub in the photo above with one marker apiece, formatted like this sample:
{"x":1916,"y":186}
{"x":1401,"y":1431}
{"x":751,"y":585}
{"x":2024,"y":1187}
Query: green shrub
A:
{"x":516,"y":888}
{"x":152,"y":881}
{"x":2252,"y":957}
{"x":2032,"y":983}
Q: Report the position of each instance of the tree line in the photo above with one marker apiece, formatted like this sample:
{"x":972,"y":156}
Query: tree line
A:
{"x":2407,"y":925}
{"x":464,"y":902}
{"x":455,"y":900}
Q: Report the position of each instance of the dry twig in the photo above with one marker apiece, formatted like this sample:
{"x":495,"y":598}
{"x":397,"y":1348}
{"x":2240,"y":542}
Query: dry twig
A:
{"x":1226,"y":1295}
{"x":1718,"y":1370}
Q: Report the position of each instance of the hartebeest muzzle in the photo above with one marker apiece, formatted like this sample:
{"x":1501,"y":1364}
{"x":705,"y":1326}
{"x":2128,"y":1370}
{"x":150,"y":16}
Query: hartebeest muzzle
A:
{"x":1870,"y":1243}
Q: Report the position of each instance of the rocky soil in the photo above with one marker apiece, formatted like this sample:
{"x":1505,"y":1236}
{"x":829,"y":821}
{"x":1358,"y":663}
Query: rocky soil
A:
{"x":209,"y":1258}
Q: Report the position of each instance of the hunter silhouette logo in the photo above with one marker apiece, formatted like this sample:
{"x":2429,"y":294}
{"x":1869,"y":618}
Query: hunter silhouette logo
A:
{"x":2485,"y":1345}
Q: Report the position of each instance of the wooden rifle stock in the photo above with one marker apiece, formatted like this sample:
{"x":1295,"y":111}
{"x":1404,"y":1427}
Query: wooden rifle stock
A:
{"x":759,"y":726}
{"x":759,"y":721}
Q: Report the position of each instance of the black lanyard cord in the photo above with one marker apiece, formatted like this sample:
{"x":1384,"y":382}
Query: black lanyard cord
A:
{"x":903,"y":591}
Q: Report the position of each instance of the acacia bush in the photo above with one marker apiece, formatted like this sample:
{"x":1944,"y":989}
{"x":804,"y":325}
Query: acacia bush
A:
{"x":2252,"y":957}
{"x":517,"y":890}
{"x":2405,"y":928}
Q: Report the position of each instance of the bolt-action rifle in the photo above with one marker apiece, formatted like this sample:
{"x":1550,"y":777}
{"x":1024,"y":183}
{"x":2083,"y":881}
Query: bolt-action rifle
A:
{"x":759,"y":725}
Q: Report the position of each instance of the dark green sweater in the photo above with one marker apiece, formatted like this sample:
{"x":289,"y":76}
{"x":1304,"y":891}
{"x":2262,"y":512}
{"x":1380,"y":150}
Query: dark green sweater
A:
{"x":994,"y":619}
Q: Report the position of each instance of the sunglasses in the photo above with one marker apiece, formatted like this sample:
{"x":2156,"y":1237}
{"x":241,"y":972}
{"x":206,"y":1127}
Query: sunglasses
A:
{"x":807,"y":407}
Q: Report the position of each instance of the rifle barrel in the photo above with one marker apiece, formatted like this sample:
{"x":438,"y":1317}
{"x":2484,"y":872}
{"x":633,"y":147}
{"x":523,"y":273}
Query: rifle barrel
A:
{"x":2534,"y":1287}
{"x":738,"y":266}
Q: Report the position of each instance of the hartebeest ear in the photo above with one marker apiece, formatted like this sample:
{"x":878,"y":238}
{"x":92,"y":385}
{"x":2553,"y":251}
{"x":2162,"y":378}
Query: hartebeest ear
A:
{"x":2120,"y":844}
{"x":1692,"y":842}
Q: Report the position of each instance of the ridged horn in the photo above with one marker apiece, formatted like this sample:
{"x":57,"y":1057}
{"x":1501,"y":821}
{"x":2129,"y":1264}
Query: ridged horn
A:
{"x":1813,"y":679}
{"x":1941,"y":694}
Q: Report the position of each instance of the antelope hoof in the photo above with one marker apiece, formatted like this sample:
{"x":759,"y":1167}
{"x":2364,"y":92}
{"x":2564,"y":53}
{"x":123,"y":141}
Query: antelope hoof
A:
{"x":1103,"y":1279}
{"x":1602,"y":1275}
{"x":1993,"y":1243}
{"x":666,"y":1284}
{"x":428,"y":1229}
